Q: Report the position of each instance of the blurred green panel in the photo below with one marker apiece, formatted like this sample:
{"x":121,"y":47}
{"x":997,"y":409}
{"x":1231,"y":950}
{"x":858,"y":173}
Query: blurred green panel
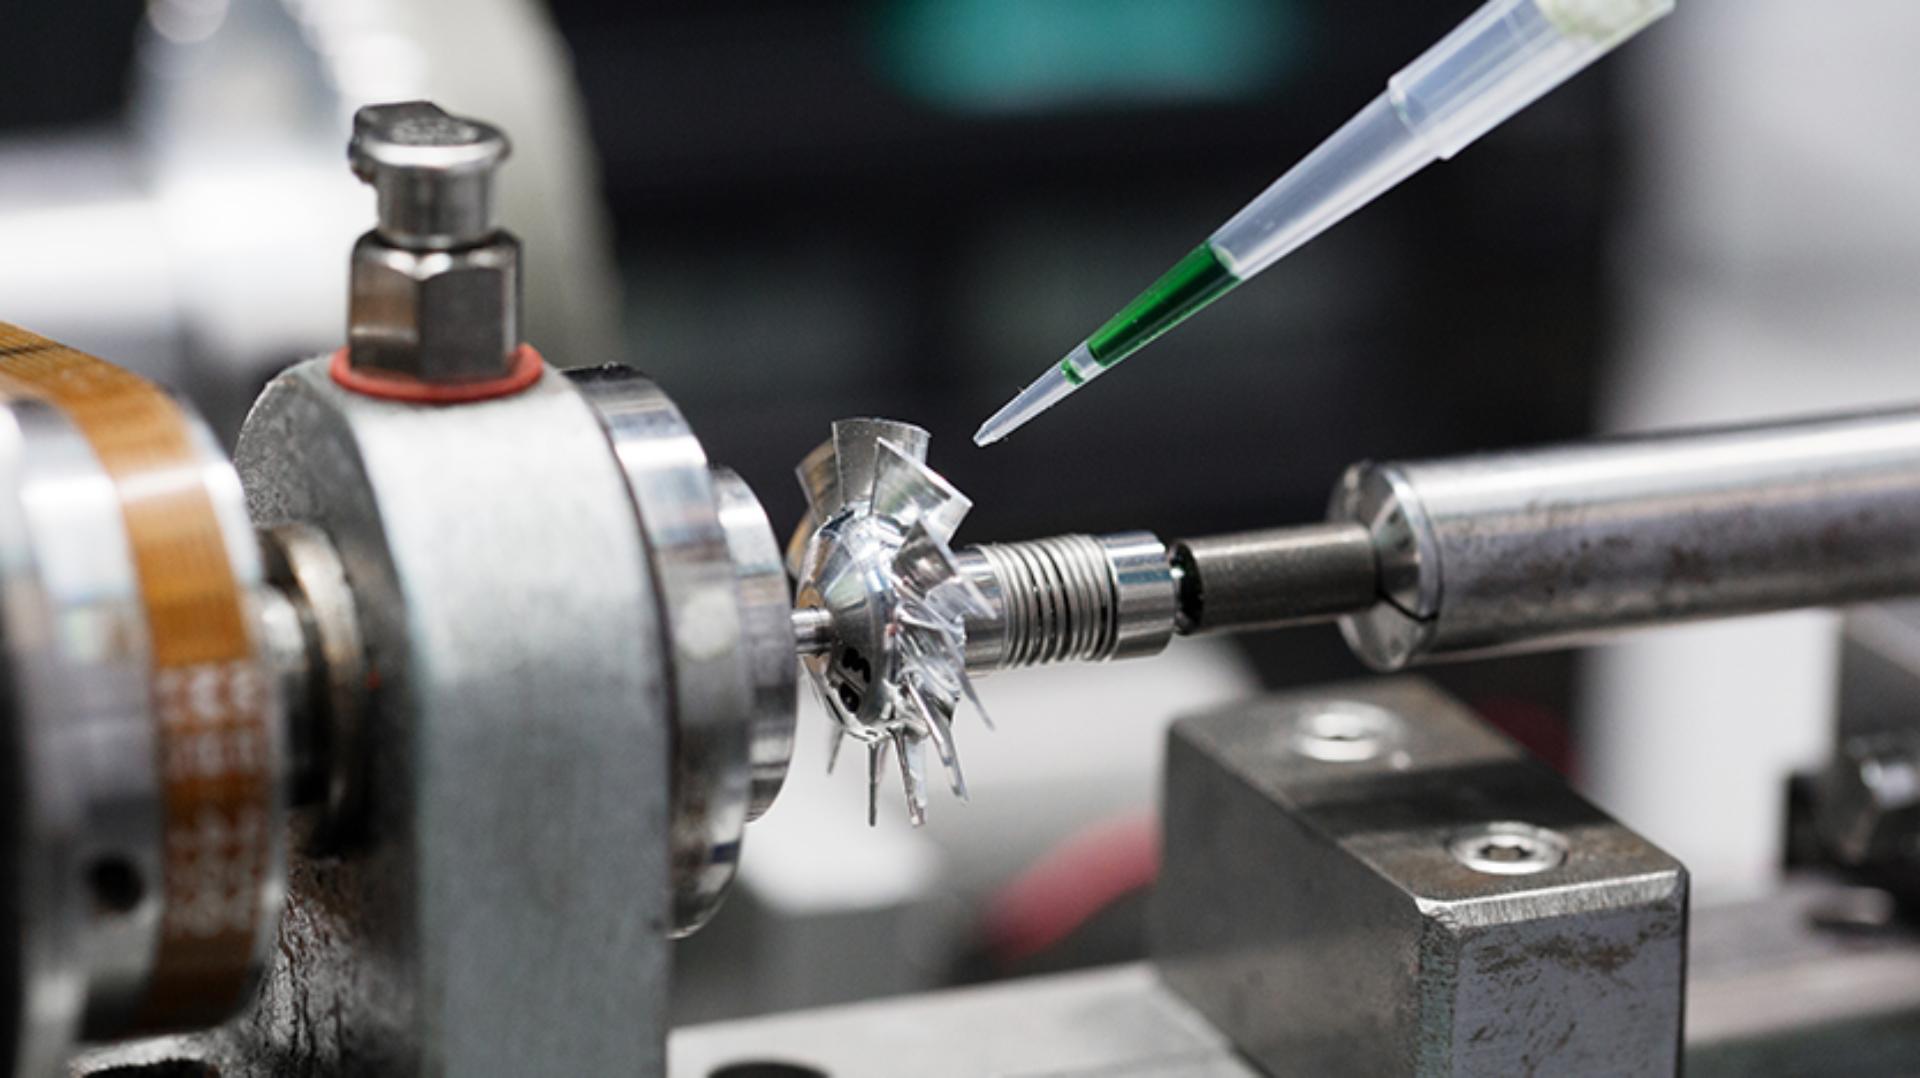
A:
{"x":1039,"y":55}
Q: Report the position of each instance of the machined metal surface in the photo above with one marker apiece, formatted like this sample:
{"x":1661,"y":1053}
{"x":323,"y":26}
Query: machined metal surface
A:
{"x":697,"y":603}
{"x":507,"y":911}
{"x":437,"y":316}
{"x":1113,"y":1023}
{"x":1070,"y":598}
{"x":79,"y":743}
{"x":1774,"y":990}
{"x":1429,"y":901}
{"x":766,"y":626}
{"x":1275,"y":578}
{"x":1548,"y":547}
{"x":135,"y":573}
{"x":327,"y":699}
{"x":433,"y":173}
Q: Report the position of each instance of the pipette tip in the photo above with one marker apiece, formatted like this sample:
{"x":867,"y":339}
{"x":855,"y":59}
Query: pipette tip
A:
{"x":1049,"y":389}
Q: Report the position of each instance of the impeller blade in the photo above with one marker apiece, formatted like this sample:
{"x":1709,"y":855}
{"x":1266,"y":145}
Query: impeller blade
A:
{"x":836,"y":737}
{"x":874,"y":764}
{"x":874,"y":555}
{"x":856,"y":452}
{"x":908,"y":492}
{"x":940,"y":732}
{"x":820,"y":481}
{"x":980,"y":709}
{"x":913,"y":774}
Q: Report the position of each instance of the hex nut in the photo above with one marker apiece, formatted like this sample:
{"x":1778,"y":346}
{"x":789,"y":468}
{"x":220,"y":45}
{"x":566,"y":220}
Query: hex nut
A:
{"x":445,"y":317}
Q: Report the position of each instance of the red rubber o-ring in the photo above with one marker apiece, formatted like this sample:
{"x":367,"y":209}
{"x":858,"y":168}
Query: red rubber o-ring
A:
{"x":527,"y":368}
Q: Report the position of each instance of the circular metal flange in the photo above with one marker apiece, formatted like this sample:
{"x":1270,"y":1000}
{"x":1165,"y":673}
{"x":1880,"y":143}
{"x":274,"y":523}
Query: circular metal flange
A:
{"x":766,"y":621}
{"x":1394,"y":632}
{"x":694,"y":579}
{"x":303,"y":566}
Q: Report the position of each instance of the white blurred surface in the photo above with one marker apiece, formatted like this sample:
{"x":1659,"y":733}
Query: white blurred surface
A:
{"x":828,"y":909}
{"x":1772,"y":268}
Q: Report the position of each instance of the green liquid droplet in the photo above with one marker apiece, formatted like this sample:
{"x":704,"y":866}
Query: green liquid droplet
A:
{"x":1191,"y":284}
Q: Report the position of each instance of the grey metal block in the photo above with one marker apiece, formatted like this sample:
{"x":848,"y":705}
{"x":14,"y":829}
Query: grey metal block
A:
{"x":1368,"y":880}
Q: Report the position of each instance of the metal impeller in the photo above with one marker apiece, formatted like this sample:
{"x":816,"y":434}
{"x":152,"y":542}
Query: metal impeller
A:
{"x":875,"y":557}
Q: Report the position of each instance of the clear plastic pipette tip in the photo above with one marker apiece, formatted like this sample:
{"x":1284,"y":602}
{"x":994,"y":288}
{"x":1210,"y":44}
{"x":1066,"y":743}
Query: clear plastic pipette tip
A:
{"x":1049,"y":389}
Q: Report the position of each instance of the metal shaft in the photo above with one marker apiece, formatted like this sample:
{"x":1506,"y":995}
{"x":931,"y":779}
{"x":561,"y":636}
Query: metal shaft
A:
{"x":1546,"y":547}
{"x":1275,"y":578}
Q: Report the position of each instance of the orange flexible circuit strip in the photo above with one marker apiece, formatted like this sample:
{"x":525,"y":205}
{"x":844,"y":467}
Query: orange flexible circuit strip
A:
{"x":210,"y":696}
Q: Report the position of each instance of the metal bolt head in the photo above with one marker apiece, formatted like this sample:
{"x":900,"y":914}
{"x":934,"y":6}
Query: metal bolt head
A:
{"x":433,"y":173}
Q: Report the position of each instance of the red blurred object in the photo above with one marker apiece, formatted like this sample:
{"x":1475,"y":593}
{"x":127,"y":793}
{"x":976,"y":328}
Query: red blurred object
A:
{"x":1071,"y":884}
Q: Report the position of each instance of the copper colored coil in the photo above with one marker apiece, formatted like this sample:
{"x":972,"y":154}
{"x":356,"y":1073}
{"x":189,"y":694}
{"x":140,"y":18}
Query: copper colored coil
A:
{"x":211,"y":703}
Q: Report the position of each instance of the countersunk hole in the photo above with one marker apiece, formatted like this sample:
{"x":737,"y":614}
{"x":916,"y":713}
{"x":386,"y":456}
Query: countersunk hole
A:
{"x":115,"y":885}
{"x":766,"y":1069}
{"x":166,"y":1068}
{"x":1343,"y":731}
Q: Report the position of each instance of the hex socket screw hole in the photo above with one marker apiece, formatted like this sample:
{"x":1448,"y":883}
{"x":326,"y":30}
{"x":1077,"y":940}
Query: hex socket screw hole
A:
{"x":1509,"y":848}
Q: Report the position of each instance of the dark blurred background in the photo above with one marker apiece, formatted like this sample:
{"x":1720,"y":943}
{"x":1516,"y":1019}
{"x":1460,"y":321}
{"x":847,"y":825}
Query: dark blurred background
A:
{"x":909,"y":207}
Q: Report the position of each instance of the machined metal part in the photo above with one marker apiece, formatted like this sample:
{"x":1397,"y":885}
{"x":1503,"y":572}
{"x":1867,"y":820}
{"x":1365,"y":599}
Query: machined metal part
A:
{"x":1367,"y":880}
{"x":144,"y":738}
{"x":1489,"y":554}
{"x":433,"y":173}
{"x":1546,"y":547}
{"x":1275,"y":578}
{"x":1070,"y":598}
{"x":507,"y":910}
{"x":1775,"y":989}
{"x":874,"y":561}
{"x":435,"y":287}
{"x":698,"y":605}
{"x":326,"y":690}
{"x":438,"y":316}
{"x":767,"y":631}
{"x":80,"y":783}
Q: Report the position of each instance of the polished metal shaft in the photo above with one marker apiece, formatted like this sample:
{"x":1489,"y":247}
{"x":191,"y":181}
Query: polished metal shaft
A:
{"x":1502,"y":552}
{"x":1275,"y":578}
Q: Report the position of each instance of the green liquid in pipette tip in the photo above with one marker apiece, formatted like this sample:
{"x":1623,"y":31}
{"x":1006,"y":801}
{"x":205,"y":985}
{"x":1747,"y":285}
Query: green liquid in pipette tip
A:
{"x":1192,"y":283}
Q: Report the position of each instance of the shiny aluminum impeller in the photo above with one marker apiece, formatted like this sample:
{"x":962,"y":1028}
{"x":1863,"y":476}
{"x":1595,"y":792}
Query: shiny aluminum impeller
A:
{"x":874,"y":556}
